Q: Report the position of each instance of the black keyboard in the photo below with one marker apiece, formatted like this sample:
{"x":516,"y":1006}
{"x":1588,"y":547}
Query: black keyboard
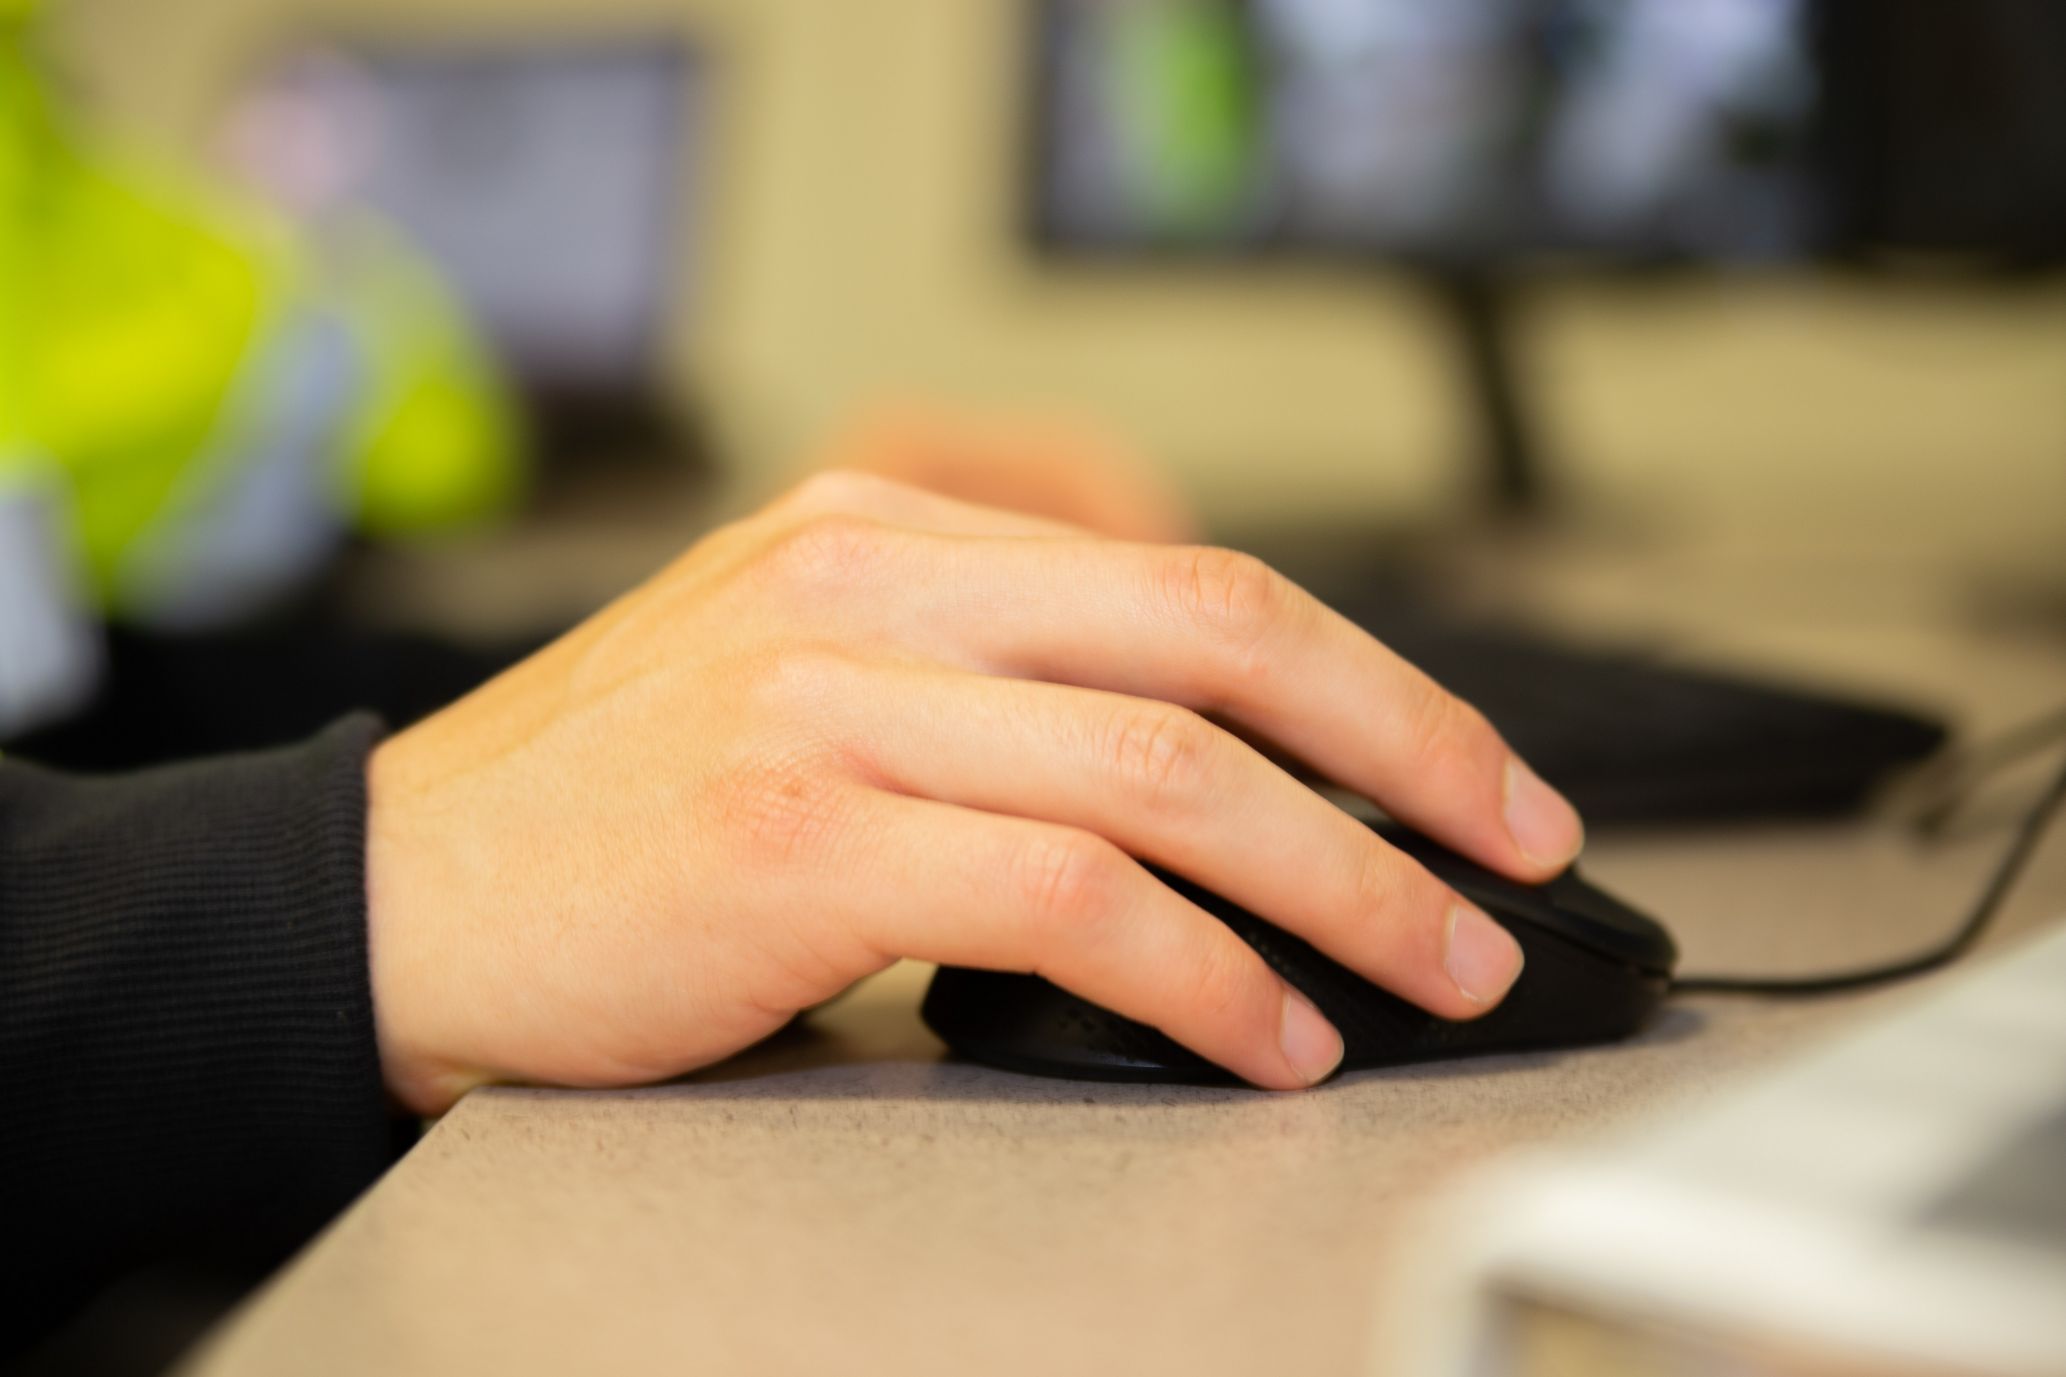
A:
{"x":1630,"y":740}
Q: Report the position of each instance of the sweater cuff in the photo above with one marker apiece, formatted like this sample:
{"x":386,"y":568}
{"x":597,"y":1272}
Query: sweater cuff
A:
{"x":186,"y":1014}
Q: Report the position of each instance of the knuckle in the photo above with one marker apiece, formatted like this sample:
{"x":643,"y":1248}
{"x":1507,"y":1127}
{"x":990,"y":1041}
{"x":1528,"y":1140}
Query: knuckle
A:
{"x":1067,"y":879}
{"x":1226,"y":986}
{"x":1226,"y":590}
{"x":1399,"y":905}
{"x":828,"y":551}
{"x":778,"y":814}
{"x":1381,"y":884}
{"x":1444,"y":734}
{"x":1158,"y":753}
{"x":1237,"y":601}
{"x":836,"y":490}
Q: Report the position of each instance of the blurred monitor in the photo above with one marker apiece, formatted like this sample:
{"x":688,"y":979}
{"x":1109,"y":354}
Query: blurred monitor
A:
{"x":1947,"y":127}
{"x":1485,"y":132}
{"x":550,"y":179}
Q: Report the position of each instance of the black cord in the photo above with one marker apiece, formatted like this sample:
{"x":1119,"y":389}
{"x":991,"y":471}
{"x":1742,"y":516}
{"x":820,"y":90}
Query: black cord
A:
{"x":1953,"y":777}
{"x":1999,"y":883}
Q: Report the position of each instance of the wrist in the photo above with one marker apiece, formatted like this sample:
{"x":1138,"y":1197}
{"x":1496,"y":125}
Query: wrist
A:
{"x":409,"y":974}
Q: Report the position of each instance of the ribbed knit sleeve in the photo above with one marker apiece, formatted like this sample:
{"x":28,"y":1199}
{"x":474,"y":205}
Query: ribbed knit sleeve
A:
{"x":186,"y":1022}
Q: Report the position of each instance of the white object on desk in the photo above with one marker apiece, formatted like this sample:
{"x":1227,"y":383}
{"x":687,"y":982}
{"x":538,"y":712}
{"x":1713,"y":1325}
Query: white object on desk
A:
{"x":1894,"y":1202}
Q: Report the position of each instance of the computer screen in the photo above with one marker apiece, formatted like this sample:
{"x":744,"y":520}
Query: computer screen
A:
{"x":1455,"y":130}
{"x":550,"y":179}
{"x":1503,"y":131}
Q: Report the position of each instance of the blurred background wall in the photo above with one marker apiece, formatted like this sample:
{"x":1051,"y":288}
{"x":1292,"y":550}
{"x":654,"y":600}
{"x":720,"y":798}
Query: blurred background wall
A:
{"x":858,"y":236}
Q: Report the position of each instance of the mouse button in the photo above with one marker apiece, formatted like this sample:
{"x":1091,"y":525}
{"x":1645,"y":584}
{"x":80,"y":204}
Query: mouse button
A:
{"x":1573,"y":893}
{"x":1489,"y":891}
{"x":1495,"y":895}
{"x":1592,"y":913}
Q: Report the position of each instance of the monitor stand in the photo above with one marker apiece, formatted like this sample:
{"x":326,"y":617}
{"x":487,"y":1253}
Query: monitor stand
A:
{"x":1479,"y":308}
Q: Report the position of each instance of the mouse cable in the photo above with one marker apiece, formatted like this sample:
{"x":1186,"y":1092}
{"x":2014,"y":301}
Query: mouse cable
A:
{"x":2006,"y":872}
{"x":1947,"y":782}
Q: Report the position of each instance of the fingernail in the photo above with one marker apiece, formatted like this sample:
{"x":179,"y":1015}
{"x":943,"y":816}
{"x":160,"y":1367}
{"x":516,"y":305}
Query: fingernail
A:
{"x":1542,"y":824}
{"x":1482,"y":958}
{"x":1310,"y":1043}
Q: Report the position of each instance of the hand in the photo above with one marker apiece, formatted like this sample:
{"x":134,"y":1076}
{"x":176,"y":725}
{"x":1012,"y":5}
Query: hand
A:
{"x":872,"y":723}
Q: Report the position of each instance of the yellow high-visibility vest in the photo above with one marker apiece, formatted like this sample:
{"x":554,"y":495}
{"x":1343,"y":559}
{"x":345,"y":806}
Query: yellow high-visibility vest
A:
{"x":219,"y":396}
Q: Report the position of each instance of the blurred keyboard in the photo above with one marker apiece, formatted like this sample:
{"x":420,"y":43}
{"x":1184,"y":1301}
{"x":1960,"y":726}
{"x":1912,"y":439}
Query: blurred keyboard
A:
{"x":1632,"y":740}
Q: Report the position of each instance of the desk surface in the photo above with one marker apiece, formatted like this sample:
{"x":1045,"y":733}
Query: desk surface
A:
{"x":843,"y":1199}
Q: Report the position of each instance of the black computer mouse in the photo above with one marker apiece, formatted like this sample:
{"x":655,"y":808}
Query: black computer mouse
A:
{"x":1595,"y":970}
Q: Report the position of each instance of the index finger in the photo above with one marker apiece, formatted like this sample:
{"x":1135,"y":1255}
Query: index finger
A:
{"x":1220,"y":631}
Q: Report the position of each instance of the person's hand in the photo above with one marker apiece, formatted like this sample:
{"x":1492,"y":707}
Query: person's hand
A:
{"x":872,"y":723}
{"x":1061,"y":469}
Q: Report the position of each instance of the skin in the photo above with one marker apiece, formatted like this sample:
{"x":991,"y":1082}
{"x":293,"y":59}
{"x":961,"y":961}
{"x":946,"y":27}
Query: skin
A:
{"x":872,"y":722}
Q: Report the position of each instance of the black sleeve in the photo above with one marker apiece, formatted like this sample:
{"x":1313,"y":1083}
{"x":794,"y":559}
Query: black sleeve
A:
{"x":187,"y":1051}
